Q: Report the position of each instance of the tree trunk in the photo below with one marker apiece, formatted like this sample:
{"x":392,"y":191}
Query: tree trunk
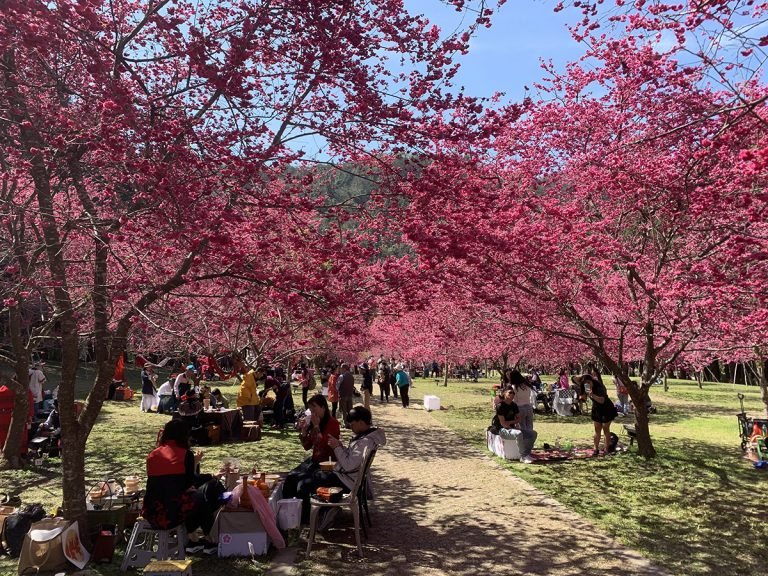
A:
{"x":73,"y":485}
{"x":639,"y":395}
{"x":714,"y":370}
{"x":644,"y":443}
{"x":73,"y":437}
{"x":763,"y":379}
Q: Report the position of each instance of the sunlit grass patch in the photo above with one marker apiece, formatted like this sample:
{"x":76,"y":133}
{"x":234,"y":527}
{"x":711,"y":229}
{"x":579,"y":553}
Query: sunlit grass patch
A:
{"x":698,"y":508}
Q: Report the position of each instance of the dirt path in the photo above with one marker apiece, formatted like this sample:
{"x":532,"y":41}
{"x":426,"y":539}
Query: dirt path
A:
{"x":444,"y":508}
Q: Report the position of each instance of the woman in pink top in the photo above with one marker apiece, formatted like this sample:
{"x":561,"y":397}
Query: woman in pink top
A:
{"x":562,"y":382}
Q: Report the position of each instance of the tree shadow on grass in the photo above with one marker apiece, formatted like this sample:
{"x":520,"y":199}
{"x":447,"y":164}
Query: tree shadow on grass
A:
{"x":695,"y":507}
{"x":404,"y":541}
{"x":428,"y":524}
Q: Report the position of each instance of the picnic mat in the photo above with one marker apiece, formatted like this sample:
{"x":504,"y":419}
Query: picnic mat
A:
{"x":546,"y":456}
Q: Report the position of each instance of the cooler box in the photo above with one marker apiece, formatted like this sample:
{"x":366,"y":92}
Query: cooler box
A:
{"x":431,"y":403}
{"x":505,"y":448}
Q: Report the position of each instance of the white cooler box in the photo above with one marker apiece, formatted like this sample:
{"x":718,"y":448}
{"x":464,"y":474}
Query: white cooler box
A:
{"x":431,"y":403}
{"x":503,"y":447}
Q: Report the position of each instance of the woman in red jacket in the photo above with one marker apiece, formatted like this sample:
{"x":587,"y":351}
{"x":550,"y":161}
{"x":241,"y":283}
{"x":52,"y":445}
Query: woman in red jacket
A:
{"x":314,"y":432}
{"x":176,"y":491}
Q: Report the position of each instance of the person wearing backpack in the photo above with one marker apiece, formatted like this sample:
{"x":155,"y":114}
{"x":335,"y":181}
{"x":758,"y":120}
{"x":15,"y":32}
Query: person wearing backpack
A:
{"x":403,"y":381}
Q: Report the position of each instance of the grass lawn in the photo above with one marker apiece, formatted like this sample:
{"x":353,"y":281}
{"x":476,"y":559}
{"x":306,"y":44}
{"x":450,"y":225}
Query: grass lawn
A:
{"x":698,"y":508}
{"x":117,"y":446}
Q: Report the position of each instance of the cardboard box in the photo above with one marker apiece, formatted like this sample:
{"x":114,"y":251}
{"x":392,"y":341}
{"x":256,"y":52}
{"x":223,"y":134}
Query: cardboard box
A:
{"x":240,"y":543}
{"x":238,"y":531}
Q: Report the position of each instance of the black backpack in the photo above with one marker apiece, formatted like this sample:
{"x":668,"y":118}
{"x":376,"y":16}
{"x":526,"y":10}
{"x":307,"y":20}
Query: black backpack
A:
{"x":18,"y":524}
{"x":614,"y":443}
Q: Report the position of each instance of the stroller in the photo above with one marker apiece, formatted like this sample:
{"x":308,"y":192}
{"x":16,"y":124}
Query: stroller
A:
{"x":753,"y":432}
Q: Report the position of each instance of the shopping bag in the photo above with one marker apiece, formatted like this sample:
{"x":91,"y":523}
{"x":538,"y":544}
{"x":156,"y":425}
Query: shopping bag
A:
{"x":43,"y":548}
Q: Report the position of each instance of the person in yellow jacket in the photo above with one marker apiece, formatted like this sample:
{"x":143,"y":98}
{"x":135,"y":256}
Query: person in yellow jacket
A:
{"x":248,"y":398}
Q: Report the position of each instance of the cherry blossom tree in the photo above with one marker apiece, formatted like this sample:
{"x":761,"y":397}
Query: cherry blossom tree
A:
{"x":599,"y":218}
{"x":154,"y":138}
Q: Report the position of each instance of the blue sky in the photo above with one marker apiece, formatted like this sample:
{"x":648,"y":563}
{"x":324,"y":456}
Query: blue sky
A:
{"x":506,"y":57}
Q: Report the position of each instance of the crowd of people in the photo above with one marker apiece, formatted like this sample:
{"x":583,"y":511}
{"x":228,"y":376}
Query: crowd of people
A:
{"x":514,"y":406}
{"x":178,"y":493}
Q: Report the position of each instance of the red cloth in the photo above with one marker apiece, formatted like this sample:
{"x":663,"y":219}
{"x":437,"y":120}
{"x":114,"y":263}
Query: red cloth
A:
{"x":6,"y":415}
{"x":119,"y":369}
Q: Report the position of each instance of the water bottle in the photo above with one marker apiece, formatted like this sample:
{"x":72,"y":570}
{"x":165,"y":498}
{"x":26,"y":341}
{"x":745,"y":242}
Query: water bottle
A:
{"x":557,"y":443}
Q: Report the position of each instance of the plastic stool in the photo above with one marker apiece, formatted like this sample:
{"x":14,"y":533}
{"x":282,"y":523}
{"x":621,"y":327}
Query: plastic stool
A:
{"x":147,"y":544}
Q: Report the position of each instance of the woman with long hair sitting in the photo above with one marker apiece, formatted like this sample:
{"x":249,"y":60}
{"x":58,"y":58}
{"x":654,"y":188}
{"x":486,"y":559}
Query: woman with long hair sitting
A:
{"x":314,"y":432}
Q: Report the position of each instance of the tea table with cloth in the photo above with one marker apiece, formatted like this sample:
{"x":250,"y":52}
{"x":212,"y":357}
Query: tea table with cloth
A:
{"x":229,"y":419}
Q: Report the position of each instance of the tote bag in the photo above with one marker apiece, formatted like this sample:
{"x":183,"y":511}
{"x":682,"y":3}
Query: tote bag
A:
{"x":49,"y":544}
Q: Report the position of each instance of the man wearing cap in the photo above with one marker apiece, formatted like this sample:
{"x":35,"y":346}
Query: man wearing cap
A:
{"x":36,"y":381}
{"x":506,"y":424}
{"x":349,"y":461}
{"x":184,"y":381}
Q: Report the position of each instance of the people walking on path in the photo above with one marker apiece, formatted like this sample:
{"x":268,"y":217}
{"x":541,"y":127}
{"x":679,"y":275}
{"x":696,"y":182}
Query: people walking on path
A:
{"x":403,"y":382}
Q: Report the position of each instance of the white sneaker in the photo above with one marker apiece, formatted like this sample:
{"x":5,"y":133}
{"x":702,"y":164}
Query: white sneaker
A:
{"x":526,"y":460}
